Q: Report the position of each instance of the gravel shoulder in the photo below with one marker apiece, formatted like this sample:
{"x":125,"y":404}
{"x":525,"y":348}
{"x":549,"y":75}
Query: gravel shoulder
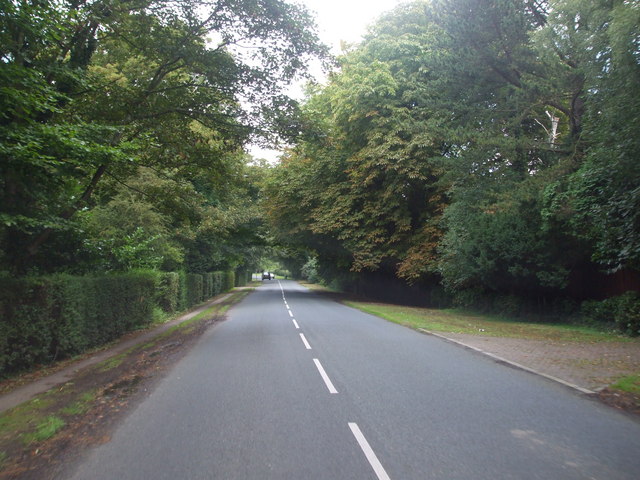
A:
{"x":593,"y":366}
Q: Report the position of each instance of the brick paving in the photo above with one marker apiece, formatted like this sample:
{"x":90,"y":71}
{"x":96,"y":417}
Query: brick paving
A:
{"x":591,"y":366}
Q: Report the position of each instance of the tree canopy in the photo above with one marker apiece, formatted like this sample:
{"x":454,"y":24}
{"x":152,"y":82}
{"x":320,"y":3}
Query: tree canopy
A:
{"x":123,"y":123}
{"x":491,"y":145}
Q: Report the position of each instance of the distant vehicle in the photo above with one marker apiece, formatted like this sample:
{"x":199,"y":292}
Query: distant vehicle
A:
{"x":267,"y":276}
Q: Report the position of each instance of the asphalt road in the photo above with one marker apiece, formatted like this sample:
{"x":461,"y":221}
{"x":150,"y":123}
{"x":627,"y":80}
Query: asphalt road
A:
{"x":295,"y":386}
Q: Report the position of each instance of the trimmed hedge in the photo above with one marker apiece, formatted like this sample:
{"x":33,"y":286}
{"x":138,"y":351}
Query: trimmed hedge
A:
{"x":218,"y":282}
{"x":46,"y":318}
{"x":229,"y":280}
{"x":169,"y":292}
{"x":242,"y":277}
{"x":208,"y":285}
{"x":195,"y":291}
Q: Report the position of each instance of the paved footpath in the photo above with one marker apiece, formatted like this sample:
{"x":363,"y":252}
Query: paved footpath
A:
{"x":589,"y":367}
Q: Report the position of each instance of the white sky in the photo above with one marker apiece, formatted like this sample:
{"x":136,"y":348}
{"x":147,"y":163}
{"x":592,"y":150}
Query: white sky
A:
{"x":346,"y":19}
{"x":338,"y":20}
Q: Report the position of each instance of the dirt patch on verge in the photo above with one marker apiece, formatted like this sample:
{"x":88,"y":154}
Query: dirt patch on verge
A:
{"x":43,"y":436}
{"x":625,"y":401}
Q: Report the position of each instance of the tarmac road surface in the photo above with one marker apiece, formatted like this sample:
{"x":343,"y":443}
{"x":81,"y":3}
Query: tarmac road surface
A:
{"x":295,"y":386}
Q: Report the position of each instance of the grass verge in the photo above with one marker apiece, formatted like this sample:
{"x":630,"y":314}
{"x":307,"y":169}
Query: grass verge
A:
{"x":317,"y":287}
{"x":44,"y":430}
{"x":455,"y":321}
{"x":629,"y":384}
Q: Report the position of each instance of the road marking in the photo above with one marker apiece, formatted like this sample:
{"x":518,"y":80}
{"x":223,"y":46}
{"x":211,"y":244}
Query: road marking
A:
{"x":290,"y":313}
{"x":324,"y":376}
{"x":304,"y":340}
{"x":295,"y":323}
{"x":368,"y":452}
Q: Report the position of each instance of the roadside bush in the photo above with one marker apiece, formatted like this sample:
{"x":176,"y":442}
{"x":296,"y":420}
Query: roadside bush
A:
{"x":622,"y":311}
{"x":169,"y":292}
{"x":208,"y":285}
{"x":309,"y":271}
{"x":46,"y":318}
{"x":598,"y":313}
{"x":69,"y":294}
{"x":508,"y":305}
{"x":439,"y":298}
{"x":218,"y":282}
{"x":25,"y":323}
{"x":183,"y":301}
{"x":51,"y":317}
{"x":628,"y":313}
{"x":195,"y":291}
{"x":242,"y":276}
{"x":229,"y":281}
{"x":281,"y":272}
{"x":471,"y":298}
{"x":124,"y":302}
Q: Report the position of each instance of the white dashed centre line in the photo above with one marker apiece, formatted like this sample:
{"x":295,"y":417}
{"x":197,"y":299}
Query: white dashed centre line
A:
{"x":325,"y":377}
{"x":368,"y":452}
{"x":357,"y":433}
{"x":304,"y":340}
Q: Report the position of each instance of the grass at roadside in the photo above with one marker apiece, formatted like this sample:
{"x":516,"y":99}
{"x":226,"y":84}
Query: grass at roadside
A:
{"x":44,"y":430}
{"x":316,"y":287}
{"x":630,"y":384}
{"x":454,"y":321}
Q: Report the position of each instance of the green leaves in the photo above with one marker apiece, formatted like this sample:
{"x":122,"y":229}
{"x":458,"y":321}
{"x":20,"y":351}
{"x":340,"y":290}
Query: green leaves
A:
{"x":94,"y":90}
{"x":362,"y":189}
{"x":491,"y":142}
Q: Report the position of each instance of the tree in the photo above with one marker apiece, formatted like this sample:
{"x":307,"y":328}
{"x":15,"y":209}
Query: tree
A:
{"x":489,"y":141}
{"x":95,"y":89}
{"x":362,"y":188}
{"x":604,"y":192}
{"x":513,"y":92}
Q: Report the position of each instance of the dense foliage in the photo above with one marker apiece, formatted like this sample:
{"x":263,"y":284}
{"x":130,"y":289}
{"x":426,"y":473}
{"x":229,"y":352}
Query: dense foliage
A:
{"x":485,"y":147}
{"x":122,"y":127}
{"x":490,"y":145}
